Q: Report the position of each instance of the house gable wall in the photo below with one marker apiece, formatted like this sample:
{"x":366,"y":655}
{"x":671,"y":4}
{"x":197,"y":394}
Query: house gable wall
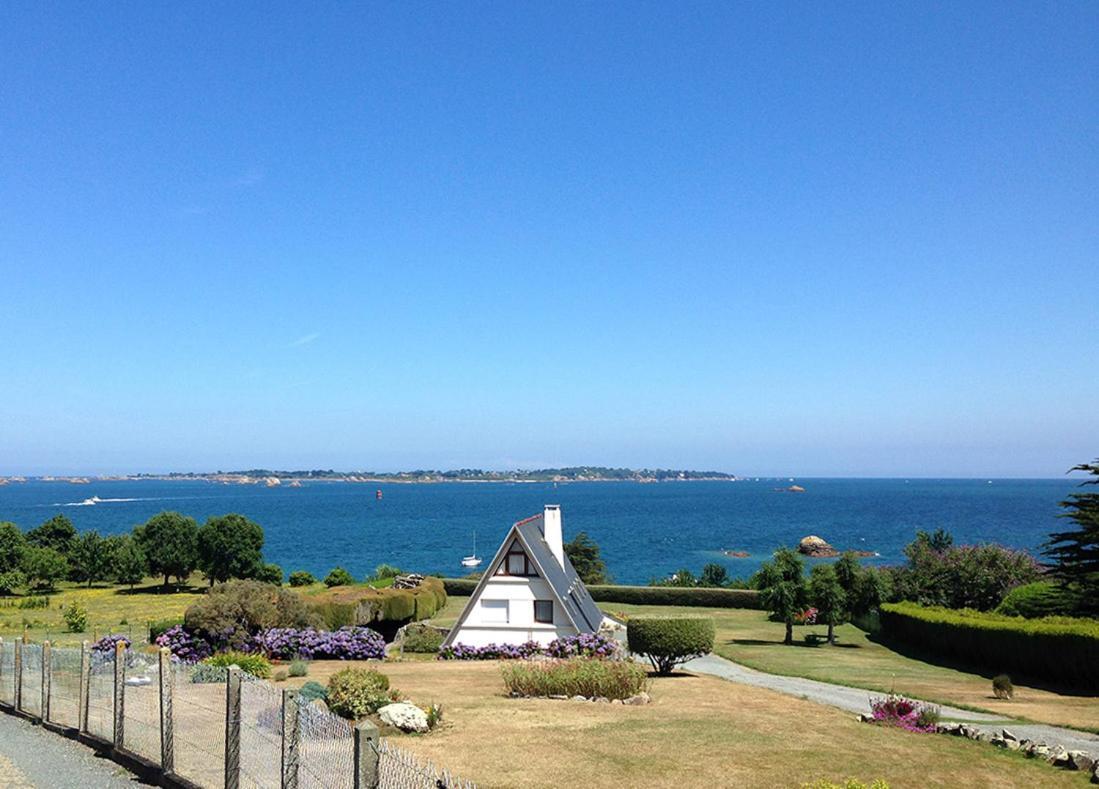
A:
{"x":520,"y":593}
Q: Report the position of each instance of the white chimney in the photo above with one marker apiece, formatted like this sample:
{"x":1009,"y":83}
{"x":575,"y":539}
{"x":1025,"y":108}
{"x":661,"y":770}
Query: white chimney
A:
{"x":551,"y":531}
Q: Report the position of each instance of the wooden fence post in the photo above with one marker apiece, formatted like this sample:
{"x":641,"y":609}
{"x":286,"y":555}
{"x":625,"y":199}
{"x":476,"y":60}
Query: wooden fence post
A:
{"x":232,"y":728}
{"x":366,"y":755}
{"x":1,"y":661}
{"x":290,"y":736}
{"x":167,"y":735}
{"x":18,"y":671}
{"x":47,"y":675}
{"x":119,"y":693}
{"x":85,"y":691}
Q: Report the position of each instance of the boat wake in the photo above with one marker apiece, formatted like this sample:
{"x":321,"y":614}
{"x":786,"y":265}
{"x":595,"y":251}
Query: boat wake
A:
{"x":95,"y":500}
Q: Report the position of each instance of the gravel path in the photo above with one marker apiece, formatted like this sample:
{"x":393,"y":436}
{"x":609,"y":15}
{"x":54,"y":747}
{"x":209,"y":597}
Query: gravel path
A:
{"x":857,"y":700}
{"x":31,"y":756}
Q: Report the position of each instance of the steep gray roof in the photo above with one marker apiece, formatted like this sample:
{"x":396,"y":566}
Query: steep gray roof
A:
{"x":571,"y":594}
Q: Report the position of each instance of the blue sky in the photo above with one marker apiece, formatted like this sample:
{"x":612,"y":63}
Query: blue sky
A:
{"x":762,"y":238}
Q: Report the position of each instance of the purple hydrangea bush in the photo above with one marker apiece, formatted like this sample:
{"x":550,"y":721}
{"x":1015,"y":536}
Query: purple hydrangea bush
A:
{"x":347,"y":643}
{"x":185,"y":646}
{"x":108,"y":643}
{"x":584,"y":645}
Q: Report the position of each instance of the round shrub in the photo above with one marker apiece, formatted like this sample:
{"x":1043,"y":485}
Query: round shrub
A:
{"x":1033,"y":601}
{"x":270,"y":574}
{"x":1002,"y":688}
{"x":338,"y":577}
{"x":235,"y":610}
{"x":311,"y":691}
{"x":256,"y":665}
{"x":185,"y":646}
{"x":299,"y":668}
{"x":668,"y":641}
{"x":356,"y":692}
{"x":302,"y":578}
{"x":76,"y":617}
{"x":421,"y":639}
{"x":106,"y":644}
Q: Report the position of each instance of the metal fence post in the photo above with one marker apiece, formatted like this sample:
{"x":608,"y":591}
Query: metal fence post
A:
{"x":18,"y":671}
{"x":47,"y":675}
{"x":167,"y":736}
{"x":85,"y":685}
{"x":119,"y":693}
{"x":290,"y":739}
{"x":232,"y":728}
{"x":366,"y":755}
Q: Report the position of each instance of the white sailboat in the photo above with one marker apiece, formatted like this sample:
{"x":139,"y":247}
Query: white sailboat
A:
{"x":473,"y":559}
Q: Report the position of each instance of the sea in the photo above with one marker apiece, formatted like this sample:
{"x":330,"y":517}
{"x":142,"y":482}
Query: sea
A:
{"x":645,"y":531}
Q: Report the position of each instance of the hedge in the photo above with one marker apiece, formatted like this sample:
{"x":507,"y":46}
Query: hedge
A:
{"x":1036,"y":600}
{"x":669,"y":640}
{"x":646,"y":595}
{"x":1058,"y":650}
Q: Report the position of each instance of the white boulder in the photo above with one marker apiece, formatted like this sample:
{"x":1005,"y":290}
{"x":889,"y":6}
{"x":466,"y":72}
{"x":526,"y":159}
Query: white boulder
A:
{"x":404,"y":716}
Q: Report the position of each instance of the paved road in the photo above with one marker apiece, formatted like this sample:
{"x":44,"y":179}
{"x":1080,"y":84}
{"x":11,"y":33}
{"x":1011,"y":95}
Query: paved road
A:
{"x":857,"y":700}
{"x":31,"y":756}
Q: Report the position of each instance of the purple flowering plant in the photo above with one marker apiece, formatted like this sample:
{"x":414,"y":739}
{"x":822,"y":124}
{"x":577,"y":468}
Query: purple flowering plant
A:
{"x":894,"y":710}
{"x":583,"y":645}
{"x":347,"y":643}
{"x":107,"y":644}
{"x":185,"y":646}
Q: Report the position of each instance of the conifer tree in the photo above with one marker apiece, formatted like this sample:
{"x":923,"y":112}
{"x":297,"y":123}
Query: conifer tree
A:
{"x":1075,"y":553}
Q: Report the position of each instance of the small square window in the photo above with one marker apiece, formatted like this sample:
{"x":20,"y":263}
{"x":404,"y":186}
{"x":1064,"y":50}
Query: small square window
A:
{"x":543,"y":611}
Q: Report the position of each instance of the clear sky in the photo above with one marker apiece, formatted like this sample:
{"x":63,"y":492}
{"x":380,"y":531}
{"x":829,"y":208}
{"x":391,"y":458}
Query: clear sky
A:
{"x":765,"y":238}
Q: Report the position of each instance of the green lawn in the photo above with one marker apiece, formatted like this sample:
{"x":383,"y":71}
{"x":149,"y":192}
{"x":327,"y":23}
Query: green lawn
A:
{"x":751,"y":640}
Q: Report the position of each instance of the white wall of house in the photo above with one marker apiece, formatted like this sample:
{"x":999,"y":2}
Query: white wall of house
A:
{"x":504,"y":614}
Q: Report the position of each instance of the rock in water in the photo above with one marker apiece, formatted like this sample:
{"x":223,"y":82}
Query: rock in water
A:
{"x":816,"y":547}
{"x":404,"y":716}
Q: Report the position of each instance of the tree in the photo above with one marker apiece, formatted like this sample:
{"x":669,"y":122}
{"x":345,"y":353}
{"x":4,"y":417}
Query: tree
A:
{"x":827,"y":596}
{"x":1075,"y":553}
{"x":682,"y":577}
{"x":873,"y":587}
{"x":13,"y":544}
{"x":583,"y":552}
{"x":270,"y":574}
{"x":129,"y":565}
{"x":940,"y":540}
{"x":170,"y":544}
{"x":57,"y":533}
{"x":782,"y":588}
{"x":230,"y":546}
{"x":713,"y":575}
{"x":44,"y":567}
{"x":91,"y":558}
{"x":848,"y":569}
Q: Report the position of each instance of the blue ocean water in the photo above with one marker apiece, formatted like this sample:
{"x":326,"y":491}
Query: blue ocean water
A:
{"x":645,"y":530}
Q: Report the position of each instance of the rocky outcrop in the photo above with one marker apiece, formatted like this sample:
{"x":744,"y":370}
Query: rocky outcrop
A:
{"x":404,"y":716}
{"x":816,"y":547}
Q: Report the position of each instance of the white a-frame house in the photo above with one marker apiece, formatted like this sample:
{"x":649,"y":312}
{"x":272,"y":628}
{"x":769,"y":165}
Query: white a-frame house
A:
{"x":529,"y":592}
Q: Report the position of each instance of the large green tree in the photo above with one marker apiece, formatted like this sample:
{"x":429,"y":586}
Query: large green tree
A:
{"x":57,"y":533}
{"x":230,"y":546}
{"x":827,"y":596}
{"x":1075,"y":553}
{"x":782,"y":588}
{"x":128,"y":564}
{"x":170,"y":544}
{"x":44,"y":567}
{"x":713,"y":575}
{"x":13,"y":544}
{"x":91,"y":558}
{"x":583,"y":552}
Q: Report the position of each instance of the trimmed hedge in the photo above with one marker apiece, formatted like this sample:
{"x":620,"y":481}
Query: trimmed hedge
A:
{"x":1033,"y":601}
{"x":670,"y":640}
{"x":646,"y":595}
{"x":1058,"y":650}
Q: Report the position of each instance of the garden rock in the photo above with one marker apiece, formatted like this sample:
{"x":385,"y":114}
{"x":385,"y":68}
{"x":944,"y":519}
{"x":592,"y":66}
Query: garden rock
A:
{"x":1082,"y":761}
{"x":558,"y":697}
{"x":404,"y":716}
{"x":579,"y":698}
{"x":1059,"y":757}
{"x":640,"y":698}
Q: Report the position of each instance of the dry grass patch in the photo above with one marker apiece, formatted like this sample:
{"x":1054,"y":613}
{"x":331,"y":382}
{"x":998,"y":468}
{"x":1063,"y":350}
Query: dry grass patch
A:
{"x":698,"y":731}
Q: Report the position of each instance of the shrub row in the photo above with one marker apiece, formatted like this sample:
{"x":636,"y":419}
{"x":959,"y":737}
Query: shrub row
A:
{"x":611,"y":679}
{"x":668,"y":641}
{"x":363,"y":605}
{"x":1058,"y":650}
{"x":1036,"y":600}
{"x":584,"y":645}
{"x":646,"y":595}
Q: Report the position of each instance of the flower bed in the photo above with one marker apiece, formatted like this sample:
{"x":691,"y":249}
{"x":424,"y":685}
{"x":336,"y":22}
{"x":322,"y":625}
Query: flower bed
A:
{"x":894,"y":710}
{"x":107,"y":644}
{"x":584,"y":645}
{"x":347,"y":643}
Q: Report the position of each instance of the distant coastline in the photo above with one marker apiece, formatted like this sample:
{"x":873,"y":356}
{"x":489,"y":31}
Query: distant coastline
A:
{"x":275,"y":478}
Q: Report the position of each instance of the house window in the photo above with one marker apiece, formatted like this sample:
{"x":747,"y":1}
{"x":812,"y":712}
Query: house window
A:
{"x":543,"y":611}
{"x":516,"y":562}
{"x":494,"y":612}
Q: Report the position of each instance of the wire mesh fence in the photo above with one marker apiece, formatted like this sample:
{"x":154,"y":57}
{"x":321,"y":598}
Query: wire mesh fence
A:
{"x":326,"y":750}
{"x":399,"y":769}
{"x":199,"y":695}
{"x":141,"y":733}
{"x":260,"y":733}
{"x":32,"y":679}
{"x":198,"y":715}
{"x":101,"y":696}
{"x":65,"y":687}
{"x":7,"y":673}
